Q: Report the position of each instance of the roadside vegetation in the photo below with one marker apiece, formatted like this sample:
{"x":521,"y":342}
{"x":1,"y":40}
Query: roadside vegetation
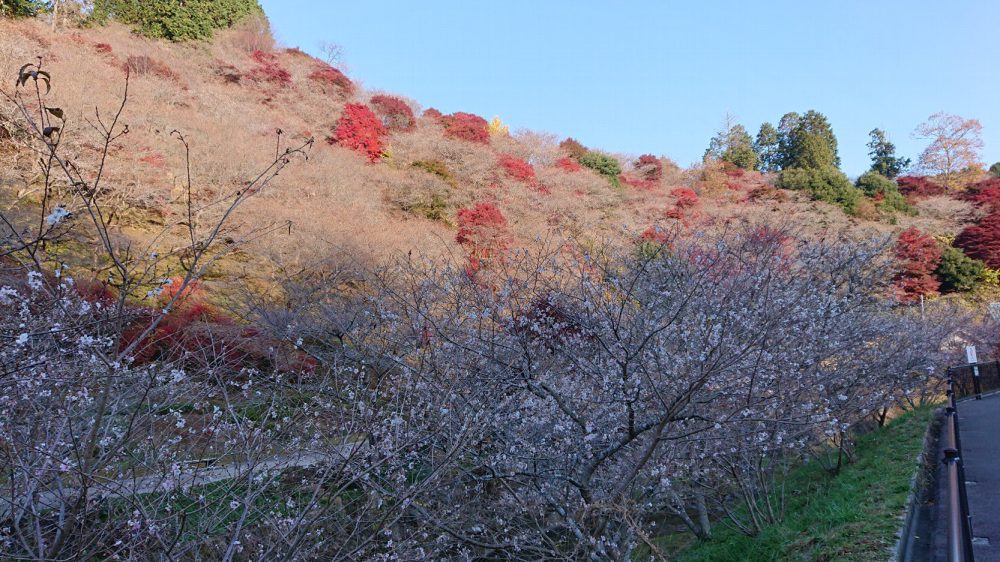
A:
{"x":852,"y":515}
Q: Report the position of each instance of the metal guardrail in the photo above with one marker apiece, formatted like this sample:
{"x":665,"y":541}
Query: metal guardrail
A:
{"x":975,"y":379}
{"x":959,"y":518}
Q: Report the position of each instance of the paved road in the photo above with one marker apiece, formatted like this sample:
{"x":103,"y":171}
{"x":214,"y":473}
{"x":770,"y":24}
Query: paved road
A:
{"x":979,"y":428}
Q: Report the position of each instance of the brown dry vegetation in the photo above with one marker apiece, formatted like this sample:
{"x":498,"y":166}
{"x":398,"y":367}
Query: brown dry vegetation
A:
{"x":336,"y":202}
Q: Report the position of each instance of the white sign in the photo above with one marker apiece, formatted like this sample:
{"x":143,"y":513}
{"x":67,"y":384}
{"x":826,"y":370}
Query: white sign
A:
{"x":970,"y":354}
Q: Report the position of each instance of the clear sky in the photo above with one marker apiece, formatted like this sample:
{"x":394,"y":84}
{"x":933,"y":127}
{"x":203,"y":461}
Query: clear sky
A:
{"x":660,"y":76}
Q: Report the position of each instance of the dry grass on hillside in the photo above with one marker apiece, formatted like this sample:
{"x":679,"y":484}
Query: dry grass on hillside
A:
{"x":230,"y":110}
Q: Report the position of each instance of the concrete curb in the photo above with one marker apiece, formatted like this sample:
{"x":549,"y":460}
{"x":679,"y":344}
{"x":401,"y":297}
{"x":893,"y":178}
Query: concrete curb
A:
{"x":919,"y":483}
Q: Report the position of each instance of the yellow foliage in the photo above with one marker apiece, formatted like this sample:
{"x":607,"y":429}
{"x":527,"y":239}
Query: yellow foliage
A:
{"x":991,"y":277}
{"x":497,"y":128}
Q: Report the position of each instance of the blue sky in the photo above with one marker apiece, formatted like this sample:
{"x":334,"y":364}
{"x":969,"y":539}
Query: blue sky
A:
{"x":660,"y":76}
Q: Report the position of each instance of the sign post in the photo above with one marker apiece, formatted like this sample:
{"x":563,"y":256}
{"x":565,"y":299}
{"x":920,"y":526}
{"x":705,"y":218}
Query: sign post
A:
{"x":970,"y":354}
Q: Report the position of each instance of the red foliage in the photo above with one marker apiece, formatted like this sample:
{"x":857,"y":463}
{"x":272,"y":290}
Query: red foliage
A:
{"x":155,"y":159}
{"x":269,"y":70}
{"x":686,"y":197}
{"x":329,"y":76}
{"x":359,"y":129}
{"x":985,"y":193}
{"x":982,"y":240}
{"x":517,"y":168}
{"x":395,"y":113}
{"x":568,"y":165}
{"x":103,"y":48}
{"x":649,"y":167}
{"x":636,"y":182}
{"x":96,"y":292}
{"x":432,"y":113}
{"x":466,"y":126}
{"x":918,"y":255}
{"x":915,"y":187}
{"x":654,"y":235}
{"x":482,"y":230}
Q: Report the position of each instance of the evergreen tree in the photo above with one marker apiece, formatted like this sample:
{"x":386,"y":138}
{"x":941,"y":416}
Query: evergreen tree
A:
{"x":883,"y":153}
{"x":995,"y":170}
{"x":767,"y":148}
{"x":733,"y":144}
{"x":809,"y":141}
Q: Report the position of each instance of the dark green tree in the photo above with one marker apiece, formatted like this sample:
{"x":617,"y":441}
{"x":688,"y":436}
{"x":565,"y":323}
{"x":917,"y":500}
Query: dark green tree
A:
{"x":958,"y":272}
{"x":177,"y":20}
{"x":767,"y":148}
{"x":807,"y":141}
{"x":883,"y":154}
{"x":995,"y":169}
{"x":733,"y":144}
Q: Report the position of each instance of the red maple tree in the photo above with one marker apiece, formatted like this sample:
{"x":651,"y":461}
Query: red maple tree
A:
{"x":918,"y":255}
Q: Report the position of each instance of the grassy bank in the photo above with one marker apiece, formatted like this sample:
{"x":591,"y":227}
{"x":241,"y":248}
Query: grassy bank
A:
{"x":851,"y":516}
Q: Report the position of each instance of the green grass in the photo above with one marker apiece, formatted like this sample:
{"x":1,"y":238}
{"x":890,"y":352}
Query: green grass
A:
{"x":851,"y":516}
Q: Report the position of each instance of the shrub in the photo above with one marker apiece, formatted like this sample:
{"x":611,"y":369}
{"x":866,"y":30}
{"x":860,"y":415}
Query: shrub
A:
{"x":573,"y":148}
{"x":142,"y":65}
{"x":982,"y":240}
{"x":985,"y":193}
{"x":177,"y":21}
{"x":438,"y":168}
{"x":604,"y":164}
{"x":919,"y":256}
{"x":517,"y":168}
{"x":395,"y":113}
{"x":872,"y":183}
{"x":568,"y":165}
{"x":359,"y":129}
{"x":482,"y":231}
{"x":915,"y":187}
{"x":328,"y":76}
{"x":637,"y":183}
{"x":103,"y":48}
{"x":269,"y":70}
{"x":884,"y":192}
{"x":957,"y":271}
{"x":467,"y":127}
{"x":649,"y":167}
{"x":823,"y":184}
{"x":432,"y":113}
{"x":686,"y":197}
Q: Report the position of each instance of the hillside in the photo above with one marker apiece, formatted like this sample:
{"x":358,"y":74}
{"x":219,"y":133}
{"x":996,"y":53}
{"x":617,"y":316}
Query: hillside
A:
{"x":229,"y":105}
{"x":250,"y":310}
